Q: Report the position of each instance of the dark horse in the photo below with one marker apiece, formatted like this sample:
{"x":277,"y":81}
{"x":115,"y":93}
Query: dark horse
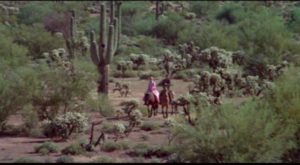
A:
{"x":165,"y":97}
{"x":150,"y":100}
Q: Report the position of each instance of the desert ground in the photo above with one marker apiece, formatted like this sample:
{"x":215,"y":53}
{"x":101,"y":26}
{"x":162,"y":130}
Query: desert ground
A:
{"x":12,"y":148}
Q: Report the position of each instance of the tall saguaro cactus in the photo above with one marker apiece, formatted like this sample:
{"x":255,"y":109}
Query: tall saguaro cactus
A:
{"x":102,"y":54}
{"x":159,"y":9}
{"x":71,"y":41}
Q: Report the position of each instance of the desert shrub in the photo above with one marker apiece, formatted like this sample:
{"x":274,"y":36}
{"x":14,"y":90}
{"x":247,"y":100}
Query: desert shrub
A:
{"x":16,"y":88}
{"x":186,"y":74}
{"x":84,"y":65}
{"x":34,"y":12}
{"x":284,"y":100}
{"x":31,"y":126}
{"x":144,"y":111}
{"x":64,"y":159}
{"x":131,"y":11}
{"x":284,"y":97}
{"x":138,"y":159}
{"x":58,"y":89}
{"x":92,"y":24}
{"x":251,"y":133}
{"x":66,"y":124}
{"x":256,"y":41}
{"x":144,"y":25}
{"x":144,"y":137}
{"x":203,"y":8}
{"x":105,"y":159}
{"x":139,"y":150}
{"x":169,"y":28}
{"x":295,"y":20}
{"x":110,"y":146}
{"x":127,"y":74}
{"x":46,"y":147}
{"x":107,"y":128}
{"x":155,"y":160}
{"x":149,"y":126}
{"x":27,"y":160}
{"x":102,"y":105}
{"x":37,"y":40}
{"x":73,"y":149}
{"x":143,"y":75}
{"x":125,"y":144}
{"x":12,"y":54}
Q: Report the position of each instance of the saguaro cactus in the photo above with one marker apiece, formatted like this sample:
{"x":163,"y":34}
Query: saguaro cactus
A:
{"x":159,"y":9}
{"x":102,"y":54}
{"x":71,"y":41}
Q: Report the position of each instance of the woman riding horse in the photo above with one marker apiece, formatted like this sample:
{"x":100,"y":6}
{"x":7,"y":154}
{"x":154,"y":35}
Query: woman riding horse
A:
{"x":152,"y":89}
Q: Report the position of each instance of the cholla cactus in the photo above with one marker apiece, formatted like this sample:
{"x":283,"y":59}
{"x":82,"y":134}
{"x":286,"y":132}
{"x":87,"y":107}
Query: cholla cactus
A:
{"x":64,"y":125}
{"x":189,"y":52}
{"x":216,"y":58}
{"x":252,"y":85}
{"x":119,"y":129}
{"x":58,"y":58}
{"x":190,"y":15}
{"x":139,"y":59}
{"x":129,"y":106}
{"x":124,"y":65}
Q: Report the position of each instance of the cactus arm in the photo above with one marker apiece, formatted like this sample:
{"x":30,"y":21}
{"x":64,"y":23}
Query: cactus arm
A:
{"x":110,"y":45}
{"x":112,"y":12}
{"x":93,"y":50}
{"x":102,"y":44}
{"x":115,"y":36}
{"x":119,"y":13}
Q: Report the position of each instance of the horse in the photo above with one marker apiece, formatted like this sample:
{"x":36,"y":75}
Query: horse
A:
{"x":150,"y":100}
{"x":165,"y":96}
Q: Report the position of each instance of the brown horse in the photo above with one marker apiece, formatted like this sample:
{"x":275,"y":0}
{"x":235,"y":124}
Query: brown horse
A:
{"x":150,"y":100}
{"x":165,"y":97}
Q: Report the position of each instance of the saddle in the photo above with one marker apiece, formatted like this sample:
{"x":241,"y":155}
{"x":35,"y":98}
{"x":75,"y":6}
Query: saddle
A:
{"x":147,"y":95}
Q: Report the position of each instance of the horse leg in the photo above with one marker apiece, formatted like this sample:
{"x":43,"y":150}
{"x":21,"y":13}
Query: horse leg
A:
{"x":149,"y":111}
{"x":162,"y":111}
{"x":167,"y":108}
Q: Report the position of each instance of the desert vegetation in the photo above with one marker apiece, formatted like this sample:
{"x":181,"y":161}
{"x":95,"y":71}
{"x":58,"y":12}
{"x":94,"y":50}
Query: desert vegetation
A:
{"x":73,"y":75}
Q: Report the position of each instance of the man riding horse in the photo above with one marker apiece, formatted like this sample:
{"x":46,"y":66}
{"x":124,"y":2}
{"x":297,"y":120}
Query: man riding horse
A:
{"x":167,"y":83}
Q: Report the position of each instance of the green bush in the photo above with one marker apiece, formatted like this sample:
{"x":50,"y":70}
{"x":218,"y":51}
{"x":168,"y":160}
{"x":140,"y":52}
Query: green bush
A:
{"x":65,"y":159}
{"x":125,"y":144}
{"x":131,"y":12}
{"x":105,"y":159}
{"x":108,"y":128}
{"x":37,"y":40}
{"x":144,"y":25}
{"x":284,"y":100}
{"x":102,"y":105}
{"x":139,"y":150}
{"x":203,"y":8}
{"x":27,"y":160}
{"x":150,"y":126}
{"x":110,"y":146}
{"x":16,"y":88}
{"x":73,"y":149}
{"x":127,"y":74}
{"x":144,"y":75}
{"x":46,"y":147}
{"x":251,"y":133}
{"x":66,"y":124}
{"x":34,"y":12}
{"x":169,"y":28}
{"x":295,"y":20}
{"x":57,"y":89}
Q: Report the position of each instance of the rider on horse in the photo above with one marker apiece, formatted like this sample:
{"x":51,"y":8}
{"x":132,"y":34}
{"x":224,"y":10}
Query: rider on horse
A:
{"x":152,"y":89}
